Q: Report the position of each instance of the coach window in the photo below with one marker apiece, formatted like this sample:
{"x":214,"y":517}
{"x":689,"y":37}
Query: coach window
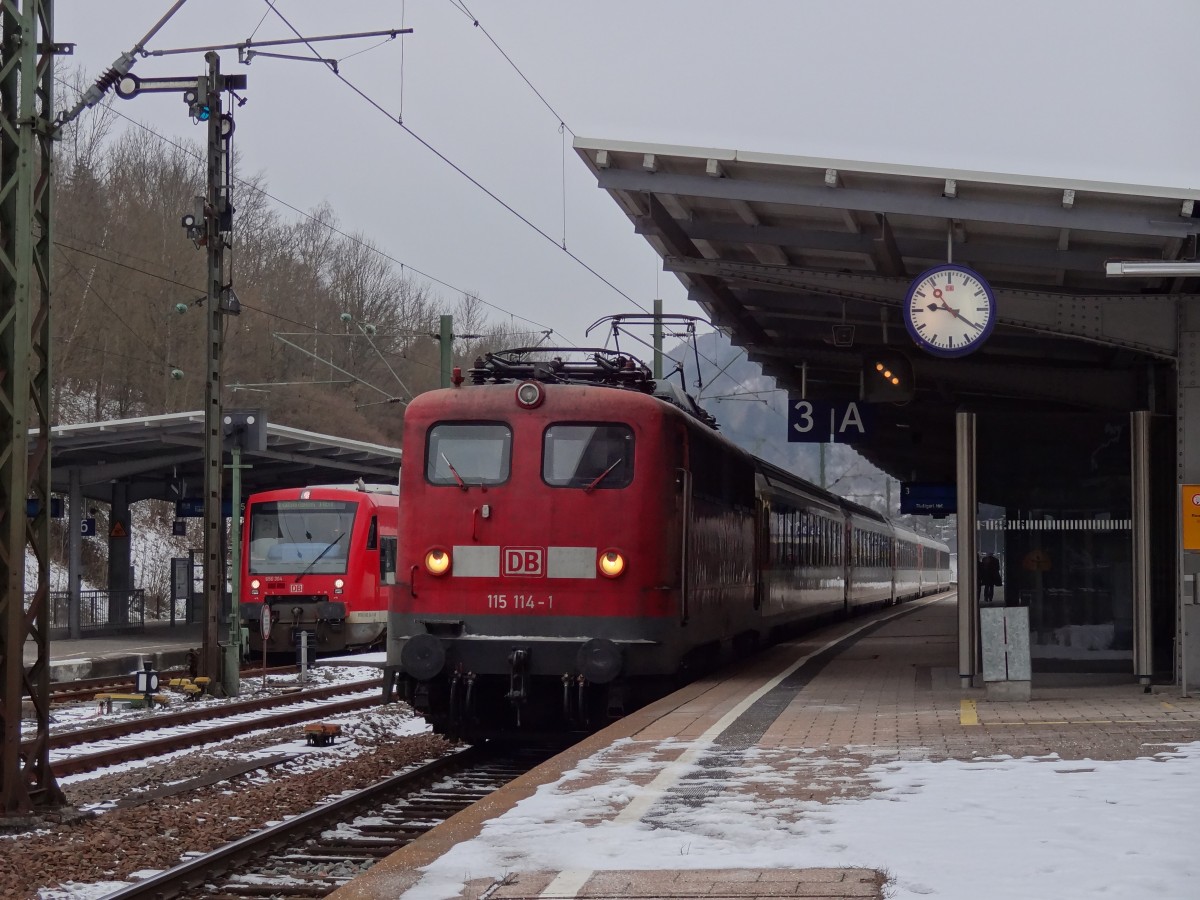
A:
{"x":598,"y":457}
{"x":462,"y":454}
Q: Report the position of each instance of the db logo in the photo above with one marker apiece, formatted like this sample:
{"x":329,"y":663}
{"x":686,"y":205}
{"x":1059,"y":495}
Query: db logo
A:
{"x":296,"y":588}
{"x":527,"y":561}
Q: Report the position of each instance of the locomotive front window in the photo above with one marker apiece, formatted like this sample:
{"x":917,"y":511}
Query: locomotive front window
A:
{"x":465,"y":454}
{"x":598,"y":457}
{"x":300,"y":536}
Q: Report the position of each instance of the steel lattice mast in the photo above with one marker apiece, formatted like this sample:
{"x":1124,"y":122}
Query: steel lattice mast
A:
{"x":26,"y":110}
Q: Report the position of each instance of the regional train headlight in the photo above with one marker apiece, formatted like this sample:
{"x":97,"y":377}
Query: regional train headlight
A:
{"x":437,"y":562}
{"x":255,"y":584}
{"x":338,"y":584}
{"x":611,"y":563}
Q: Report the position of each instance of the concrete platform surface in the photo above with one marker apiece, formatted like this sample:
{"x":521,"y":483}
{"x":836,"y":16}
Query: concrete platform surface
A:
{"x":163,"y":646}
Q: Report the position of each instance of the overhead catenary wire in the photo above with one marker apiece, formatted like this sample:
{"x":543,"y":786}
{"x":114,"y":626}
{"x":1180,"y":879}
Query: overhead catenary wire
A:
{"x":333,"y":228}
{"x":395,"y":120}
{"x":311,"y":330}
{"x":92,"y":289}
{"x":462,"y":7}
{"x":563,"y":128}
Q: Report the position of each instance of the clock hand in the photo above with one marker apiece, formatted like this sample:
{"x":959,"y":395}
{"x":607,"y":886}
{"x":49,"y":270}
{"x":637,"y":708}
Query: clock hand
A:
{"x":954,"y":312}
{"x":964,"y":319}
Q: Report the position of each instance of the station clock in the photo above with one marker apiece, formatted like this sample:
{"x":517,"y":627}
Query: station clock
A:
{"x":950,"y":310}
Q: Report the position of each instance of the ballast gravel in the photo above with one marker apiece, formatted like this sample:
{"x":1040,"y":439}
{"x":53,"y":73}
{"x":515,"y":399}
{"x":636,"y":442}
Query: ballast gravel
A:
{"x":90,"y":841}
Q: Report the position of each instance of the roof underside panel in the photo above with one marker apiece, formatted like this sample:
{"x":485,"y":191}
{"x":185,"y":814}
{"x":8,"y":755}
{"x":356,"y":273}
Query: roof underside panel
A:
{"x":162,"y":457}
{"x":779,"y":249}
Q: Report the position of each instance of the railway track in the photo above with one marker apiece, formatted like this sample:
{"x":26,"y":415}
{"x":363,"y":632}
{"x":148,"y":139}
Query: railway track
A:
{"x":138,"y":748}
{"x":313,"y":854}
{"x":243,"y":717}
{"x":87,"y":688}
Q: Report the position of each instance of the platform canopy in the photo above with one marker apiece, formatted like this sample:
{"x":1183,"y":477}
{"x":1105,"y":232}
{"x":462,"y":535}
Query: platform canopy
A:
{"x":162,"y":458}
{"x":777,"y":250}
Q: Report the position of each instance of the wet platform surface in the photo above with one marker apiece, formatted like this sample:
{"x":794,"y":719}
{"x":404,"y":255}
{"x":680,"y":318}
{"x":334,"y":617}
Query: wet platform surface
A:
{"x":652,"y":806}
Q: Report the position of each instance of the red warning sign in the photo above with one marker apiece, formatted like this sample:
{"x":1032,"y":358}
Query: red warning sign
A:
{"x":117,"y":530}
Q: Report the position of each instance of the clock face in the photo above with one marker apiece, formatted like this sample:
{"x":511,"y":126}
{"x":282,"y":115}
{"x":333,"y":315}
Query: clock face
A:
{"x":950,"y":310}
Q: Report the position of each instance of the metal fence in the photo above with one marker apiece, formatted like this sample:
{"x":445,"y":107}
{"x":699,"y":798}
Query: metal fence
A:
{"x":100,"y":612}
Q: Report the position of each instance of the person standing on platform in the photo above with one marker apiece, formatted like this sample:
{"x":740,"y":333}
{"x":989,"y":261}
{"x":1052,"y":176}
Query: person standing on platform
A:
{"x":989,"y":575}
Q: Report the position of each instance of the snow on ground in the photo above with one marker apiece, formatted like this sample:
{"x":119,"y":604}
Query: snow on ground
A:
{"x":71,"y":890}
{"x":988,"y":829}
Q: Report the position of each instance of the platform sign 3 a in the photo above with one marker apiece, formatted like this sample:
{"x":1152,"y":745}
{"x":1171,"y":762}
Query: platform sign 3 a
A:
{"x":1190,"y":516}
{"x":821,"y":422}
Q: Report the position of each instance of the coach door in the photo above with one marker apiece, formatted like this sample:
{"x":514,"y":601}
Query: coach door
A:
{"x":847,"y":561}
{"x":762,"y":548}
{"x":685,"y":540}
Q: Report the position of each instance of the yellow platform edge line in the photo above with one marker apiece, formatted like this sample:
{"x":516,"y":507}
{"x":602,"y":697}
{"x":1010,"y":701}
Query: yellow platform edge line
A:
{"x":967,"y":714}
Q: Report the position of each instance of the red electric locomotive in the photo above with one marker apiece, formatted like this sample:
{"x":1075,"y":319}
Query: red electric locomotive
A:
{"x":322,"y":559}
{"x":588,"y":538}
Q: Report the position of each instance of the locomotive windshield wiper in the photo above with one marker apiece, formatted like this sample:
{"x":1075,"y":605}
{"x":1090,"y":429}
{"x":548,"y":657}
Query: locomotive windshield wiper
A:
{"x":453,"y":471}
{"x":599,"y":478}
{"x":317,"y":558}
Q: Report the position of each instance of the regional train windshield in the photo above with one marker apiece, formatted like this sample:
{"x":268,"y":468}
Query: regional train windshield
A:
{"x":293,"y":536}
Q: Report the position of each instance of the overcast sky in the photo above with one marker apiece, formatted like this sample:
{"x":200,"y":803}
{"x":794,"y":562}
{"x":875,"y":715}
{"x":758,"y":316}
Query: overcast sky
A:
{"x":1086,"y":89}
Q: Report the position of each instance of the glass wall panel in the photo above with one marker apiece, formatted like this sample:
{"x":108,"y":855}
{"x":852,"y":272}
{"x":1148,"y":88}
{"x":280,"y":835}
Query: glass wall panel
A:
{"x":1060,"y":524}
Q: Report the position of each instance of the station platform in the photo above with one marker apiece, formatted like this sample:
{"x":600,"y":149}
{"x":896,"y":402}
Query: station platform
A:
{"x":848,"y":764}
{"x":162,"y":645}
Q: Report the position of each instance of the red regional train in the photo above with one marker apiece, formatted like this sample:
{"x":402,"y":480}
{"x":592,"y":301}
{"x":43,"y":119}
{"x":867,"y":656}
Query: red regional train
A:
{"x":322,"y":558}
{"x":591,"y":540}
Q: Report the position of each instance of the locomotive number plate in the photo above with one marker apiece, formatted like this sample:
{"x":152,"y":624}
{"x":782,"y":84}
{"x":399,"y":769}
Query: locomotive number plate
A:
{"x":521,"y":602}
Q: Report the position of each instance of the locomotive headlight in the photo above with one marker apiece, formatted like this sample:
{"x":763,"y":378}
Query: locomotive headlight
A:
{"x":338,"y":584}
{"x":437,"y":562}
{"x":255,"y":584}
{"x":611,"y":563}
{"x":530,"y":395}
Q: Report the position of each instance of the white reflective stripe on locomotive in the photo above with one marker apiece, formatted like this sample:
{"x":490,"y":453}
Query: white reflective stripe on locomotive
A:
{"x":476,"y":562}
{"x":570,"y":562}
{"x":559,"y":562}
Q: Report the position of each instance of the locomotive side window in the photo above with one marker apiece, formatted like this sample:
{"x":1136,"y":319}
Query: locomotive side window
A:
{"x":387,"y":560}
{"x":599,"y":457}
{"x":468,"y":453}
